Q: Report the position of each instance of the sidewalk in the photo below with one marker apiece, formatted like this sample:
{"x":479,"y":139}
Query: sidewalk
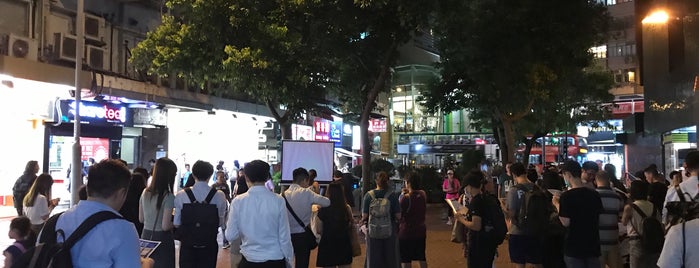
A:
{"x":7,"y":212}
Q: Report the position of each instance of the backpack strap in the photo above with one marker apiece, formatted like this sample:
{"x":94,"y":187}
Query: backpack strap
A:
{"x":643,"y":216}
{"x":48,"y":233}
{"x":210,"y":196}
{"x":680,"y":194}
{"x":88,"y":225}
{"x":371,"y":194}
{"x":190,"y":194}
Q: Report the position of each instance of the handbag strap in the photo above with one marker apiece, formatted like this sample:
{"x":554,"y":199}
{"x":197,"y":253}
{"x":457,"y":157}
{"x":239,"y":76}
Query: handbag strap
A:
{"x":157,"y":215}
{"x":288,"y":207}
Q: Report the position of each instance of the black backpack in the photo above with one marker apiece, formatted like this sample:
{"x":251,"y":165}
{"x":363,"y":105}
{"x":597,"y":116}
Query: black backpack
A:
{"x":494,"y":222}
{"x":534,"y":215}
{"x":683,"y":210}
{"x":653,"y":236}
{"x":199,"y":222}
{"x":49,"y":253}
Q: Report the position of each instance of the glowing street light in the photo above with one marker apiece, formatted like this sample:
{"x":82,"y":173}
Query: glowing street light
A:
{"x":657,"y":17}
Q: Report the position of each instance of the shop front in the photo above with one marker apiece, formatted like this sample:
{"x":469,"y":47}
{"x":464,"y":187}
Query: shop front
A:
{"x":214,"y":136}
{"x":24,"y":106}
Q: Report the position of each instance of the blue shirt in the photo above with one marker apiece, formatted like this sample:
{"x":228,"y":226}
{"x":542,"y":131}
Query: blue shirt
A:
{"x":259,"y":218}
{"x":112,"y":243}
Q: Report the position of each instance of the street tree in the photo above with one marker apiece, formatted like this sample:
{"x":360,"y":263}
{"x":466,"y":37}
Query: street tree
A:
{"x":379,"y":28}
{"x":280,"y":53}
{"x":511,"y":60}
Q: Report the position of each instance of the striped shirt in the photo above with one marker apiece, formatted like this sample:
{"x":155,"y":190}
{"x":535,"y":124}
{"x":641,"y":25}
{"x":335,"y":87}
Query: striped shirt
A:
{"x":612,"y":205}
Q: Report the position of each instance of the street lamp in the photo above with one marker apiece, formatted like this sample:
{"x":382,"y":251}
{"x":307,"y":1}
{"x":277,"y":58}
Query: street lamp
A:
{"x":657,"y":17}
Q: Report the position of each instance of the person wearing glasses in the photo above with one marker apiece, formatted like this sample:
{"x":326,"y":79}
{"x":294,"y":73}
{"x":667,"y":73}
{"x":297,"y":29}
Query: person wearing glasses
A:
{"x":451,"y":187}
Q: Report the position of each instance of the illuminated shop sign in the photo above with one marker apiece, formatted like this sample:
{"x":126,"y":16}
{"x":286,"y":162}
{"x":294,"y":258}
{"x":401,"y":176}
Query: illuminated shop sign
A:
{"x":96,"y":113}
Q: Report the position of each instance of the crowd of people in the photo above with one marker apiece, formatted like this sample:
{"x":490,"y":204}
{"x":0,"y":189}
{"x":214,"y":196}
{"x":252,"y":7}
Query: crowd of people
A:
{"x":570,"y":215}
{"x":261,"y":228}
{"x":574,"y":215}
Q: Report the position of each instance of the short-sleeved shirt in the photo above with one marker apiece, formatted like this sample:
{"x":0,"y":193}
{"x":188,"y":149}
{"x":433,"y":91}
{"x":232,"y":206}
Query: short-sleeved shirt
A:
{"x":112,"y":243}
{"x":609,"y":218}
{"x":455,"y":188}
{"x":224,"y":188}
{"x":476,"y":207}
{"x":412,"y":220}
{"x":582,"y":206}
{"x":515,"y":199}
{"x":38,"y":210}
{"x":671,"y":256}
{"x":200,"y":190}
{"x":380,"y":193}
{"x":150,"y":211}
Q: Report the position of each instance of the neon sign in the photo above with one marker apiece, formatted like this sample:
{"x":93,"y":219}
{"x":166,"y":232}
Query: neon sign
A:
{"x":111,"y":114}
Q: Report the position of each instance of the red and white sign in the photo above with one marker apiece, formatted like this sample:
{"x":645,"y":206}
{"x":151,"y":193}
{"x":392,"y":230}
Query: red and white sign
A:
{"x":301,"y":132}
{"x":321,"y":127}
{"x":627,"y":108}
{"x":377,"y":125}
{"x":96,"y":148}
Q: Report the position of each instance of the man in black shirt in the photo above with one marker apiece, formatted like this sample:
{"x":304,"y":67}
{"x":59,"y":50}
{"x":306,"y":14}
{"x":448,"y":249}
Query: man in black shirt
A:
{"x":579,"y":210}
{"x":482,"y":248}
{"x":657,"y":188}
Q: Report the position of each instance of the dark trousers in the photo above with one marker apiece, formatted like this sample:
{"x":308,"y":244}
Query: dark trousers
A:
{"x":302,"y":253}
{"x":198,"y":257}
{"x":268,"y":264}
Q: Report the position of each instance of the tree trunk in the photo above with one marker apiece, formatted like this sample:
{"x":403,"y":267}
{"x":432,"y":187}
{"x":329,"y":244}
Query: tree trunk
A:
{"x":528,"y":143}
{"x":373,"y":93}
{"x":282,"y":120}
{"x":509,"y":132}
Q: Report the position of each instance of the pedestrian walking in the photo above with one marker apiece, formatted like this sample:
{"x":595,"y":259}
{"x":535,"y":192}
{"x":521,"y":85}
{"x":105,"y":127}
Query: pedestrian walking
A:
{"x":38,"y":203}
{"x":335,"y":246}
{"x":412,"y":232}
{"x":380,"y":214}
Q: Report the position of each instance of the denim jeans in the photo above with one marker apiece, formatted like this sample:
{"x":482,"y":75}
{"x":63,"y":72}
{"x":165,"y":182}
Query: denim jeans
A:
{"x":582,"y":262}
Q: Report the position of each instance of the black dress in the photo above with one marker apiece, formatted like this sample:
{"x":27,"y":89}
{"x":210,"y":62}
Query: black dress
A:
{"x":335,"y":247}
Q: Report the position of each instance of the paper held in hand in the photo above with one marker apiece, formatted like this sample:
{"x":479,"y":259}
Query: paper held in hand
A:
{"x":456,"y":206}
{"x":147,"y":247}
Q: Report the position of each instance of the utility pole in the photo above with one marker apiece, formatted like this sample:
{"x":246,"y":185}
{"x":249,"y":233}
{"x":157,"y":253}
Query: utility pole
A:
{"x":77,"y":178}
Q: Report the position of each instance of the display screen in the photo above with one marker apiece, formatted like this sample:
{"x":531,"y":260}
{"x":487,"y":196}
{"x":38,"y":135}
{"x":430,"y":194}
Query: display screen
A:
{"x":309,"y":155}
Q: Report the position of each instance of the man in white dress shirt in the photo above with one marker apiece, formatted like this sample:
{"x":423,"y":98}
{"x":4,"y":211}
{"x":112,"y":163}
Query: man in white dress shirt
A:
{"x":690,"y":186}
{"x":259,"y":218}
{"x":200,"y":256}
{"x":301,"y":198}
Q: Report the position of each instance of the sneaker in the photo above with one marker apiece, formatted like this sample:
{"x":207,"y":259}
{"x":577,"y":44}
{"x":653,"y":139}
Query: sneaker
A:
{"x":449,"y":222}
{"x":226,"y":245}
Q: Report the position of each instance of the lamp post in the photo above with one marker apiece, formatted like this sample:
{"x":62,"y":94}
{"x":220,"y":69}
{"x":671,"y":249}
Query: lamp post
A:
{"x":77,"y":179}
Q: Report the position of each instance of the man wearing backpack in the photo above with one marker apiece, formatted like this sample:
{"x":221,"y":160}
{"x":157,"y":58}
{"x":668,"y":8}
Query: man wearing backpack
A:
{"x":609,"y":221}
{"x":689,"y":188}
{"x":524,"y":244}
{"x":199,"y":211}
{"x":579,"y":209}
{"x":636,"y":218}
{"x":300,"y":199}
{"x":109,"y":243}
{"x":482,"y":223}
{"x":680,"y":248}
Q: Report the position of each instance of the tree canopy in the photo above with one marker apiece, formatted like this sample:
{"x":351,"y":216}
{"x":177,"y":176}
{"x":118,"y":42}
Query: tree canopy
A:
{"x":520,"y":62}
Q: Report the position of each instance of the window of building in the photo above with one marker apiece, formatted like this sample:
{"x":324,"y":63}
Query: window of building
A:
{"x":599,"y":52}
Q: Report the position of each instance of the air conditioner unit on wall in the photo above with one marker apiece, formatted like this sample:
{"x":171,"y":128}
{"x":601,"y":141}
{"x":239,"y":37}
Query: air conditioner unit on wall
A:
{"x":19,"y":46}
{"x":64,"y":46}
{"x":95,"y":57}
{"x":93,"y":27}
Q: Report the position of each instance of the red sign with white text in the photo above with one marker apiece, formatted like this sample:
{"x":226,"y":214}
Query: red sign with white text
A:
{"x":321,"y":127}
{"x":96,"y":148}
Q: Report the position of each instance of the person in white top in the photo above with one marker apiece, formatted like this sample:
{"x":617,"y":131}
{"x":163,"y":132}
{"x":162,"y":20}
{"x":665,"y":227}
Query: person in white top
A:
{"x":197,"y":256}
{"x":690,"y":186}
{"x":259,"y":218}
{"x":638,"y":193}
{"x":38,"y":203}
{"x":680,"y":248}
{"x":301,"y":199}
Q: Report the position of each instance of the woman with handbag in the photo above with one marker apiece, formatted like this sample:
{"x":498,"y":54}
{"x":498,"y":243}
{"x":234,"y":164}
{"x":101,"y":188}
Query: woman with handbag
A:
{"x":412,"y":232}
{"x":155,"y":211}
{"x":335,"y":247}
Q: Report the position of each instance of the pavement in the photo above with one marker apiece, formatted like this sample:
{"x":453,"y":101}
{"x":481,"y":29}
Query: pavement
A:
{"x":441,"y":253}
